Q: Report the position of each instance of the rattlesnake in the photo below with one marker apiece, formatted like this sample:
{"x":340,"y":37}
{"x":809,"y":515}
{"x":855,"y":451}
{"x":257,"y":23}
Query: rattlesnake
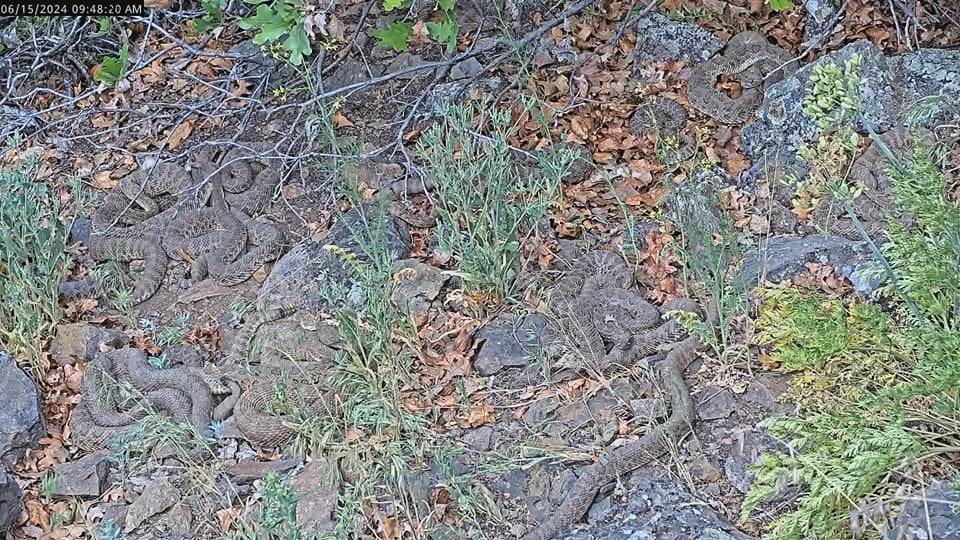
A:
{"x":593,"y":305}
{"x":625,"y":459}
{"x":184,"y":393}
{"x":754,"y":61}
{"x":132,"y":225}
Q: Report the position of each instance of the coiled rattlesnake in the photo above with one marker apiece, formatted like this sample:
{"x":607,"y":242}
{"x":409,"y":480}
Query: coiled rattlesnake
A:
{"x":754,"y":61}
{"x":132,"y":224}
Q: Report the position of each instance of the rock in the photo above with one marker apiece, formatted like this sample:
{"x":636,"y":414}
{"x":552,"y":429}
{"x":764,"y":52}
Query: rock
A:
{"x":350,"y":73}
{"x":540,"y":410}
{"x":81,"y":342}
{"x":479,"y":439}
{"x":928,"y":515}
{"x":714,"y":402}
{"x":158,"y":496}
{"x":417,"y":285}
{"x":889,"y":85}
{"x":407,"y":60}
{"x":659,"y":39}
{"x":10,"y":503}
{"x":450,"y":93}
{"x":819,"y":14}
{"x":80,"y":231}
{"x":305,"y":270}
{"x":84,"y":477}
{"x":21,"y":415}
{"x":657,"y":508}
{"x":469,"y":68}
{"x":247,"y":471}
{"x":508,"y":342}
{"x":703,"y":469}
{"x":780,"y":258}
{"x":745,"y":453}
{"x":177,"y":522}
{"x":318,"y":502}
{"x":931,"y":72}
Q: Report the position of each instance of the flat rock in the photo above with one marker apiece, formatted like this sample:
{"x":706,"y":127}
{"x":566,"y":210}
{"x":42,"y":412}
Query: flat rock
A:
{"x":81,"y":342}
{"x":508,"y":342}
{"x":659,"y":39}
{"x":21,"y":415}
{"x":780,"y":258}
{"x":84,"y":477}
{"x":318,"y":502}
{"x":417,"y":285}
{"x":158,"y":496}
{"x":479,"y":439}
{"x":247,"y":471}
{"x":10,"y":503}
{"x":714,"y":402}
{"x":929,"y":515}
{"x":745,"y":453}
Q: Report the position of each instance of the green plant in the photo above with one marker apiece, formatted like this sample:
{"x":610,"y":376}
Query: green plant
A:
{"x":397,"y":34}
{"x":877,"y":392}
{"x":108,"y":531}
{"x":277,"y":518}
{"x":779,"y":5}
{"x":277,"y":20}
{"x":709,"y":251}
{"x":32,"y":262}
{"x":113,"y":68}
{"x":214,"y":16}
{"x":486,"y":205}
{"x":834,"y":99}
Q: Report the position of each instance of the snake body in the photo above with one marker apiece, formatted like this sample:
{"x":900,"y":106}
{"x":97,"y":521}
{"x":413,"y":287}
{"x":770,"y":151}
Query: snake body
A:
{"x":625,"y":459}
{"x":646,"y":334}
{"x":132,"y":224}
{"x":754,"y":61}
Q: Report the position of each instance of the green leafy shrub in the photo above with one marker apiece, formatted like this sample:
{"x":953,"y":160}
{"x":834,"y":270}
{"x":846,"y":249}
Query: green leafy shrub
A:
{"x":486,"y":205}
{"x":280,"y":21}
{"x":32,"y":261}
{"x":868,"y":377}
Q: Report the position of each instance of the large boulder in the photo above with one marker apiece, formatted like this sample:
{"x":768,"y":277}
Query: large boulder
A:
{"x":21,"y":415}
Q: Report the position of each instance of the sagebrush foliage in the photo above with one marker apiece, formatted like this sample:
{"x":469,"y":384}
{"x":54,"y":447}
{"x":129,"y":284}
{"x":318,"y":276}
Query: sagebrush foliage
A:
{"x":32,"y":262}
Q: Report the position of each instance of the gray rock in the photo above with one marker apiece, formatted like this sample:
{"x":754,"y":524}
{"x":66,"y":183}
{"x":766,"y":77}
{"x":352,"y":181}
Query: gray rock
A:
{"x":81,"y":342}
{"x":660,"y":39}
{"x":247,"y":471}
{"x":471,"y":67}
{"x":80,"y":230}
{"x":932,"y":72}
{"x":84,"y":477}
{"x":658,"y":508}
{"x":889,"y":85}
{"x":648,"y":408}
{"x":350,"y":73}
{"x":158,"y":496}
{"x":508,"y":342}
{"x":819,"y":13}
{"x":746,"y":452}
{"x":21,"y":415}
{"x":417,"y":285}
{"x":714,"y":402}
{"x":406,"y":60}
{"x":929,"y":515}
{"x":318,"y":502}
{"x":308,"y":269}
{"x":10,"y":503}
{"x":779,"y":258}
{"x":479,"y":439}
